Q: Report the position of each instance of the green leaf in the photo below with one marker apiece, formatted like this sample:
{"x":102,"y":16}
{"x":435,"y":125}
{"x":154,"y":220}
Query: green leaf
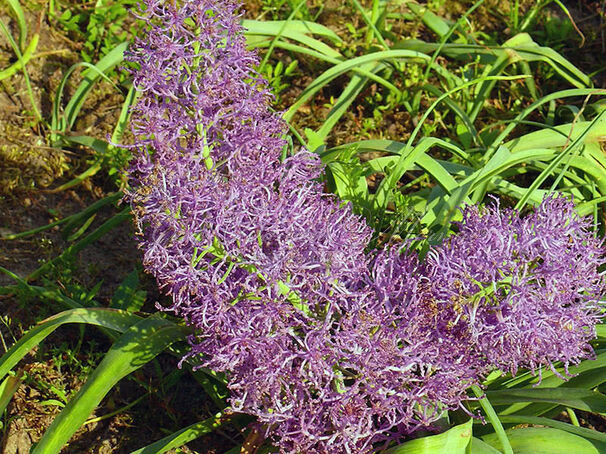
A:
{"x":453,"y":441}
{"x":126,"y":296}
{"x":350,"y":183}
{"x":480,"y":447}
{"x":71,"y":222}
{"x":258,"y":31}
{"x":141,"y":343}
{"x":540,"y":440}
{"x":84,"y":242}
{"x":185,"y":435}
{"x":108,"y":318}
{"x":272,"y":28}
{"x":21,"y":22}
{"x":518,"y":48}
{"x":435,"y":23}
{"x":355,"y":64}
{"x":581,"y":431}
{"x":581,"y":399}
{"x":7,"y":389}
{"x":90,"y":77}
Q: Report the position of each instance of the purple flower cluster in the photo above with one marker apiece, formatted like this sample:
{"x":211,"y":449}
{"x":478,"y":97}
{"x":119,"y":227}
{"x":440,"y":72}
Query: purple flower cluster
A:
{"x":524,"y":290}
{"x":333,"y":349}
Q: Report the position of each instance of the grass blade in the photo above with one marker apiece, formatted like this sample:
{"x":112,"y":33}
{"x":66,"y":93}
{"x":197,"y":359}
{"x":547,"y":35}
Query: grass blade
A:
{"x":453,"y":441}
{"x":21,"y":23}
{"x":542,"y":440}
{"x":538,"y":421}
{"x":90,"y":77}
{"x":8,"y":388}
{"x":90,"y":238}
{"x":502,"y":440}
{"x":141,"y":343}
{"x":108,"y":318}
{"x":578,"y":398}
{"x":186,"y":435}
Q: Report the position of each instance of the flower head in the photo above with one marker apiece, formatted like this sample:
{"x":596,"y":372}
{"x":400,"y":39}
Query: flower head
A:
{"x":332,"y":348}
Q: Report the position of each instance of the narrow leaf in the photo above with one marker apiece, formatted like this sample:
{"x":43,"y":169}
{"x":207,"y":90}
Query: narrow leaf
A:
{"x":453,"y":441}
{"x":140,"y":344}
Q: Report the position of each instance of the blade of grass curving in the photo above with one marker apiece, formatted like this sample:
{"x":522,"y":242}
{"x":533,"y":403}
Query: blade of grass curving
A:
{"x":433,"y":167}
{"x":444,"y":38}
{"x":558,"y":136}
{"x":523,"y":49}
{"x":503,"y":440}
{"x":353,"y":64}
{"x":574,"y":25}
{"x":588,"y":374}
{"x":46,"y":294}
{"x":84,"y":242}
{"x":117,"y":411}
{"x":62,"y":123}
{"x":377,"y":14}
{"x":578,"y":398}
{"x":28,"y":53}
{"x":505,"y":187}
{"x":278,"y":35}
{"x":83,"y":228}
{"x":535,"y":105}
{"x":91,"y":171}
{"x":458,"y":110}
{"x":272,"y":28}
{"x":347,"y":97}
{"x":538,"y":421}
{"x":350,"y":185}
{"x":434,"y":22}
{"x":370,"y":24}
{"x":141,"y":343}
{"x":530,"y":83}
{"x":70,"y":221}
{"x":591,"y":173}
{"x":127,"y":296}
{"x":22,"y":63}
{"x":556,"y":161}
{"x":480,"y":447}
{"x":335,"y":61}
{"x":8,"y":388}
{"x":454,"y":441}
{"x":78,"y":218}
{"x":503,"y":60}
{"x":389,"y":182}
{"x":392,"y":147}
{"x":109,"y":318}
{"x":21,"y":22}
{"x":546,"y":440}
{"x":90,"y":77}
{"x":187,"y":434}
{"x":311,"y":45}
{"x":122,"y":123}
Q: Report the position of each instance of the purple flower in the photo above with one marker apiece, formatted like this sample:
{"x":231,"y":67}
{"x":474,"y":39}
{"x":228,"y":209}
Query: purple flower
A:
{"x":526,"y":290}
{"x":332,"y":348}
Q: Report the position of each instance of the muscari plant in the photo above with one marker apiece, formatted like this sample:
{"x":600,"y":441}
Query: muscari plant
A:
{"x":334,"y":342}
{"x":332,"y":346}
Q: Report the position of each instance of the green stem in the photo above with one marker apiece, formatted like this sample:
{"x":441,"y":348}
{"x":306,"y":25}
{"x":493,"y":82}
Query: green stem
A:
{"x":22,"y":64}
{"x":573,"y":417}
{"x":118,"y":411}
{"x":493,"y":418}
